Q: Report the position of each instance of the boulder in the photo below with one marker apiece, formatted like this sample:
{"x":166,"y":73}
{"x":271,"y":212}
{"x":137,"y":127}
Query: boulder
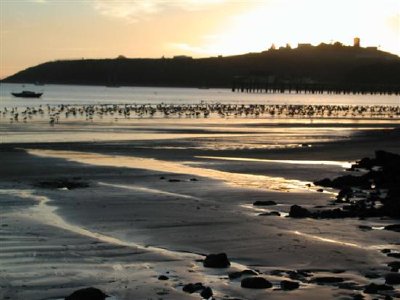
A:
{"x":255,"y":283}
{"x":87,"y":294}
{"x":216,"y":261}
{"x":297,"y":211}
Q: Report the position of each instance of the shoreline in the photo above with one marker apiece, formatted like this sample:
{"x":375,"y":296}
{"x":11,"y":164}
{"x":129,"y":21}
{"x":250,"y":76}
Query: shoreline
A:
{"x":186,"y":209}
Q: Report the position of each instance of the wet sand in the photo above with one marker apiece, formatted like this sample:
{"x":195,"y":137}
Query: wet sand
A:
{"x":163,"y":193}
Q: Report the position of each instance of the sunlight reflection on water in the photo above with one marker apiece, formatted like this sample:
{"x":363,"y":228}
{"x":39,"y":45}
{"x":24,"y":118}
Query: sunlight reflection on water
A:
{"x":243,"y":180}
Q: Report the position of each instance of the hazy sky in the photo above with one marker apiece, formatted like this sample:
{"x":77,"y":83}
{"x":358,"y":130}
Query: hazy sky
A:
{"x":36,"y":31}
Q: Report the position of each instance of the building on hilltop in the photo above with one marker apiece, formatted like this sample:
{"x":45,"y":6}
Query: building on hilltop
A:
{"x":304,"y":45}
{"x":182,"y":57}
{"x":356,"y":42}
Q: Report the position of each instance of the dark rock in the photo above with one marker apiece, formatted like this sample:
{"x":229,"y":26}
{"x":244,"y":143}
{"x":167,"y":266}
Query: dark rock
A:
{"x":365,"y":227}
{"x":289,"y":285}
{"x":193,"y":287}
{"x":336,"y":213}
{"x":394,"y":255}
{"x":264,"y":203}
{"x":373,"y":288}
{"x":298,"y":275}
{"x":395,"y":265}
{"x":358,"y":297}
{"x":394,"y":227}
{"x":392,"y":278}
{"x":277,"y":272}
{"x":272,"y":213}
{"x":324,"y":182}
{"x":298,"y":212}
{"x":386,"y":251}
{"x":216,"y":261}
{"x":320,"y":190}
{"x":87,"y":294}
{"x":236,"y":275}
{"x":193,"y":179}
{"x":174,"y":180}
{"x":255,"y":283}
{"x":344,"y":195}
{"x":372,"y":275}
{"x":353,"y":286}
{"x":62,"y":183}
{"x":163,"y":277}
{"x":364,"y":163}
{"x":327,"y":280}
{"x":206,"y":293}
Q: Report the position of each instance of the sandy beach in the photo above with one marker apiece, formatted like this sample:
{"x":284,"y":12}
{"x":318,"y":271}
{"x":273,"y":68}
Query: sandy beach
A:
{"x":115,"y":204}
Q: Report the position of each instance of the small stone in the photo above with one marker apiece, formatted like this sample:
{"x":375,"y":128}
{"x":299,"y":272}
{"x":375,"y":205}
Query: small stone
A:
{"x":206,"y":293}
{"x":287,"y":285}
{"x":255,"y":283}
{"x":193,"y":287}
{"x":236,"y":275}
{"x":327,"y":280}
{"x":395,"y":265}
{"x":271,"y":213}
{"x":87,"y":294}
{"x":365,"y":227}
{"x":264,"y":203}
{"x":163,"y":277}
{"x":216,"y":261}
{"x":373,"y":288}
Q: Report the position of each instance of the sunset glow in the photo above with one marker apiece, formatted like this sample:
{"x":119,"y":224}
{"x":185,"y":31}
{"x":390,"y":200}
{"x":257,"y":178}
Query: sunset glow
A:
{"x":36,"y":31}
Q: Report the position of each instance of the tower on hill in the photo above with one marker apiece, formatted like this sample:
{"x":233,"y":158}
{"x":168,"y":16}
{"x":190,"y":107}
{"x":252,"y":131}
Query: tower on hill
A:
{"x":356,"y":42}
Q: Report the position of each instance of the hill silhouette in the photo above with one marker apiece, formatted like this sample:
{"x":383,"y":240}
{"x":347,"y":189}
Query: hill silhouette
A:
{"x":324,"y":64}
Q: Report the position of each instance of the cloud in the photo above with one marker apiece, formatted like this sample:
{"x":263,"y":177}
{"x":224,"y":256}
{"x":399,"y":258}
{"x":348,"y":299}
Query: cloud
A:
{"x":134,"y":10}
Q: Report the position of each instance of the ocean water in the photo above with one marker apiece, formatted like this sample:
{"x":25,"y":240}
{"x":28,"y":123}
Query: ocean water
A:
{"x":74,"y":94}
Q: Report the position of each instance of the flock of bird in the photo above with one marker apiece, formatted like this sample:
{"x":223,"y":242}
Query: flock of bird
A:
{"x":55,"y":114}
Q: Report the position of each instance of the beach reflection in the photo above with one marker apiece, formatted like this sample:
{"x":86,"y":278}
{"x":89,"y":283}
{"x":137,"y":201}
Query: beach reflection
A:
{"x":118,"y":161}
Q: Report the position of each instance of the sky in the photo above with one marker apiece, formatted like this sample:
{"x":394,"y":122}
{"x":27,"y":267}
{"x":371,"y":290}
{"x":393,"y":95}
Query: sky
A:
{"x":36,"y":31}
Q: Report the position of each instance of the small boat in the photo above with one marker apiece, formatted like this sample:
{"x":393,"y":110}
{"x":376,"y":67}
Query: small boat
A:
{"x":27,"y":94}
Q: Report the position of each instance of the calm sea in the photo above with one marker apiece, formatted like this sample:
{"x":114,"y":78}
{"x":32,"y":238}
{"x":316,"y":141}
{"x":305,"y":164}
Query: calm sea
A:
{"x":74,"y":94}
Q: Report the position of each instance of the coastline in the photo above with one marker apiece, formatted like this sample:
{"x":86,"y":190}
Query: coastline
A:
{"x":112,"y":234}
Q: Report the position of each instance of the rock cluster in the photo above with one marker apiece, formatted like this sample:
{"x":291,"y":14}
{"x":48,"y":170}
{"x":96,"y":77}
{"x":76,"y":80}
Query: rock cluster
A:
{"x":383,"y":174}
